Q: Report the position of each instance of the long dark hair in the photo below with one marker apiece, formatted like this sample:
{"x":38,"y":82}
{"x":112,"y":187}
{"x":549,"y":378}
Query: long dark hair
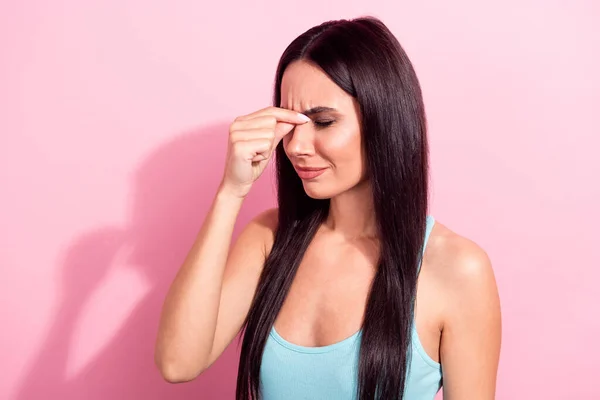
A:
{"x":365,"y":59}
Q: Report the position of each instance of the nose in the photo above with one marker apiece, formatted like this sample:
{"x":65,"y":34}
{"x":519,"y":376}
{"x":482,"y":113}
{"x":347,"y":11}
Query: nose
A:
{"x":301,"y":141}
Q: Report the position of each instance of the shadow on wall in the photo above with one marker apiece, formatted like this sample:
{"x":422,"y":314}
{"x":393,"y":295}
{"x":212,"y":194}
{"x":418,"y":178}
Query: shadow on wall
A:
{"x":173,"y":190}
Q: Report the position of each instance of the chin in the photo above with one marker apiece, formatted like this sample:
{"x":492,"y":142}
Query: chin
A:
{"x":322,"y":190}
{"x":317,"y":192}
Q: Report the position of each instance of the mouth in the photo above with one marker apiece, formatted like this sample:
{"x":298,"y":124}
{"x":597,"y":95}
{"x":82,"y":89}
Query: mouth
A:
{"x":309,"y":172}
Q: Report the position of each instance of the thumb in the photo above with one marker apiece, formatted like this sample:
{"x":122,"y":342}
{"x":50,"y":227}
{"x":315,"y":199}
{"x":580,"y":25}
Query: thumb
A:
{"x":281,"y":130}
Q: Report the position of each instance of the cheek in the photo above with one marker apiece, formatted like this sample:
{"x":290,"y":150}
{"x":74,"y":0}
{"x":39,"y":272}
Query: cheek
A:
{"x":341,"y":146}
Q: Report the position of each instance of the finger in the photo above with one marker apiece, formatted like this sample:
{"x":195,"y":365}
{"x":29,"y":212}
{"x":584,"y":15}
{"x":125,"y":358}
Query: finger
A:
{"x":281,"y":130}
{"x":249,"y":149}
{"x":260,"y":157}
{"x":262,"y":121}
{"x":252,"y":134}
{"x":282,"y":115}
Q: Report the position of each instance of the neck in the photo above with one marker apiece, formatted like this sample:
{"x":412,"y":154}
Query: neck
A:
{"x":352,"y":215}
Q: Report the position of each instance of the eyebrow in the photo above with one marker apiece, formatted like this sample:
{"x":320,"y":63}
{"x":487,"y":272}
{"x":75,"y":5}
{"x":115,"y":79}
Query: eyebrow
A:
{"x":317,"y":110}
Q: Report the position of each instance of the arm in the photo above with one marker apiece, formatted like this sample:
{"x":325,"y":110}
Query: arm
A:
{"x":471,"y":336}
{"x":211,"y":293}
{"x":213,"y":289}
{"x":244,"y":266}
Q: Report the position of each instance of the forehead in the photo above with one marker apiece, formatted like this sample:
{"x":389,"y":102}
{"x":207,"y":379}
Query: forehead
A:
{"x":305,"y":85}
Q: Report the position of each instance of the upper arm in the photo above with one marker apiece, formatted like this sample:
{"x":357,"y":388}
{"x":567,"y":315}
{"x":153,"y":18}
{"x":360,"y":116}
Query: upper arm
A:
{"x":244,"y":265}
{"x":471,"y":335}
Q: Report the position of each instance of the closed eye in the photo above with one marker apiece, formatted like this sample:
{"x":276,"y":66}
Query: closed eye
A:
{"x":323,"y":124}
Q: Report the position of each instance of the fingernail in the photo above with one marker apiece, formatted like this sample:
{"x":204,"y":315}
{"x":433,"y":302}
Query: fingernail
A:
{"x":303,"y":117}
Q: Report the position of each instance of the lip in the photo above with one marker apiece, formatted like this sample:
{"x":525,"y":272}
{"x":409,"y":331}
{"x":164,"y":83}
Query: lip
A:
{"x":309,"y":172}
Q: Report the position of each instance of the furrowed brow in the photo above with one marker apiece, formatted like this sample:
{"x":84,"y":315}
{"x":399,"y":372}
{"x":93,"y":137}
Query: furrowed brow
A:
{"x":318,"y":109}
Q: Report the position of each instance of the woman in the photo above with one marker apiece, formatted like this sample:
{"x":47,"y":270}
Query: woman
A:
{"x":325,"y":286}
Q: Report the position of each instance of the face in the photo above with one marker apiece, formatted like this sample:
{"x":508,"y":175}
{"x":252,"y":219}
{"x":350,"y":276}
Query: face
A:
{"x":327,"y":152}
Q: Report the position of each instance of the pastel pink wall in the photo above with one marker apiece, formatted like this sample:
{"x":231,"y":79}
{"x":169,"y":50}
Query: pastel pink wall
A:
{"x":113,"y":122}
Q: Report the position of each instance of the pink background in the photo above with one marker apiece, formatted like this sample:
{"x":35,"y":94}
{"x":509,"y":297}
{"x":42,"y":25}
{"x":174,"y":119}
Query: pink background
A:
{"x":113,"y":122}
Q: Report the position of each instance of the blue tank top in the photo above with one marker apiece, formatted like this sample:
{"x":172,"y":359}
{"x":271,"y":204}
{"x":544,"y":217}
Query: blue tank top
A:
{"x":292,"y":372}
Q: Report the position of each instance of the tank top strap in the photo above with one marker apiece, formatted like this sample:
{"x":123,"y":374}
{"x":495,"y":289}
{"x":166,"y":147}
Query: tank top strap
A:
{"x":429,"y":227}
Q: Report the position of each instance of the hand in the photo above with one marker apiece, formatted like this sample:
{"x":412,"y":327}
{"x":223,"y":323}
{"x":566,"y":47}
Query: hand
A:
{"x":252,"y":141}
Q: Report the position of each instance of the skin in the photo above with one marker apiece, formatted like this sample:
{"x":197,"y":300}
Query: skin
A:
{"x":457,"y":312}
{"x":457,"y":309}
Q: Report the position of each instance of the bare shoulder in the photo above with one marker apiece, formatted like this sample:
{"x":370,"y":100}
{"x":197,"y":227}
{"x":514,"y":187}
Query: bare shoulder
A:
{"x":256,"y":238}
{"x":462,"y":269}
{"x":268,"y":218}
{"x":455,"y":256}
{"x":470,"y":315}
{"x":266,"y":223}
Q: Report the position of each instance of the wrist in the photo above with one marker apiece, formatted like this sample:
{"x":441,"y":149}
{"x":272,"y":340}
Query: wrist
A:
{"x":230,"y":194}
